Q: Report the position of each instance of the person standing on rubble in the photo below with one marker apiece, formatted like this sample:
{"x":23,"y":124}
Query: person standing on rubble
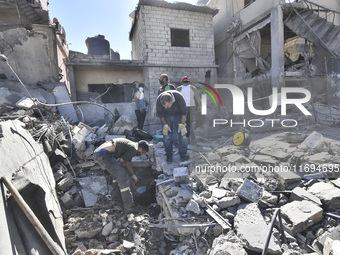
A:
{"x":163,"y":80}
{"x":193,"y":103}
{"x":172,"y":110}
{"x":115,"y":156}
{"x":140,"y":105}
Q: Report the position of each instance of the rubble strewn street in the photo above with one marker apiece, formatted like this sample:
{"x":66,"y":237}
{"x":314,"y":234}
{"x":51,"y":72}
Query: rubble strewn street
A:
{"x":222,"y":199}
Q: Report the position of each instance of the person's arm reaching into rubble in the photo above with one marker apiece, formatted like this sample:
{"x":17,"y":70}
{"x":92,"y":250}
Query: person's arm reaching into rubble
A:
{"x":130,"y":170}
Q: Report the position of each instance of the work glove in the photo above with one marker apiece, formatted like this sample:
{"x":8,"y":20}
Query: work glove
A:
{"x":134,"y":178}
{"x":182,"y":129}
{"x":166,"y":129}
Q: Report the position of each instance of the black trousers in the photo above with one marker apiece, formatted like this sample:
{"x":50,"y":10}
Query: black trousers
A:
{"x":140,"y":118}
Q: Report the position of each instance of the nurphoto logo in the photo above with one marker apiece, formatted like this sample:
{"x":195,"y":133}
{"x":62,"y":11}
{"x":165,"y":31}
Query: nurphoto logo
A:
{"x":238,"y":107}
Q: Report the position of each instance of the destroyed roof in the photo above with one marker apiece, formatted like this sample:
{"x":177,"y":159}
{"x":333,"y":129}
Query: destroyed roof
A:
{"x":173,"y":5}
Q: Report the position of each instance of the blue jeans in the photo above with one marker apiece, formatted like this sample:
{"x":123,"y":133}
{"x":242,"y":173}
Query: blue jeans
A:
{"x":173,"y":121}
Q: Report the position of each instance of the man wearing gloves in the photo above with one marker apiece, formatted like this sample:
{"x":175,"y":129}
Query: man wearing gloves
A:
{"x":172,"y":110}
{"x":115,"y":156}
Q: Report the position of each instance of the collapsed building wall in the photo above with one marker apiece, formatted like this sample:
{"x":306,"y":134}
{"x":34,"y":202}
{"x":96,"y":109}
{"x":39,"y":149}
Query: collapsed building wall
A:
{"x":25,"y":163}
{"x":32,"y":53}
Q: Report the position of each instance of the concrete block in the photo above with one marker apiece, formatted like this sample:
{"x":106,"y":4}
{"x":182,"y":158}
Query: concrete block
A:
{"x":333,"y":233}
{"x":193,"y":206}
{"x":25,"y":103}
{"x":92,"y":187}
{"x":287,"y":178}
{"x":252,"y":229}
{"x":300,"y":194}
{"x":228,"y":202}
{"x":219,"y":193}
{"x":67,"y":200}
{"x":250,"y":191}
{"x":328,"y":194}
{"x":229,"y":243}
{"x":276,"y":153}
{"x":331,"y":247}
{"x":181,"y":174}
{"x":299,"y":215}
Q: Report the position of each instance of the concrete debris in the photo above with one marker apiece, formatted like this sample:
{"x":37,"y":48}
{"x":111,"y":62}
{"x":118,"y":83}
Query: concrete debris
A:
{"x":251,"y":229}
{"x":328,"y":194}
{"x":250,"y":191}
{"x":299,"y":215}
{"x":197,"y":205}
{"x":228,"y":242}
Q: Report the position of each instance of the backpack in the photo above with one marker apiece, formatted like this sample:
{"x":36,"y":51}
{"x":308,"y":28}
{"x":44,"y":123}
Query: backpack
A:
{"x":137,"y":134}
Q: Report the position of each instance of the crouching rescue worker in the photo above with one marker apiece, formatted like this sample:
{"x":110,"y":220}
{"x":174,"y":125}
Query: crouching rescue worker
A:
{"x":115,"y":156}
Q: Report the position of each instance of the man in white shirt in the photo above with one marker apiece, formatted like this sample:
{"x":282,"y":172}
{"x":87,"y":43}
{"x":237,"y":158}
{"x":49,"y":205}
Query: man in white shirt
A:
{"x":193,"y":103}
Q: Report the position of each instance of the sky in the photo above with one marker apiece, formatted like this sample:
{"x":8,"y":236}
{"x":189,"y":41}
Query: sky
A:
{"x":87,"y":18}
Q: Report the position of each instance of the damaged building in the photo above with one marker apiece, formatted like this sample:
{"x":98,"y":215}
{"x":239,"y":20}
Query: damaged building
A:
{"x":275,"y":192}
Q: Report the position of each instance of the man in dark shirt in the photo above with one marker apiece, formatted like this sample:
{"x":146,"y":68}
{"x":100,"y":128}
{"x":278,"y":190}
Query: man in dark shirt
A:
{"x":115,"y":156}
{"x":163,"y":80}
{"x":172,"y":110}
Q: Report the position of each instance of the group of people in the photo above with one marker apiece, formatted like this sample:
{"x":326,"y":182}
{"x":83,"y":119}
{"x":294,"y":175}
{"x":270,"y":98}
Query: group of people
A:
{"x":176,"y":109}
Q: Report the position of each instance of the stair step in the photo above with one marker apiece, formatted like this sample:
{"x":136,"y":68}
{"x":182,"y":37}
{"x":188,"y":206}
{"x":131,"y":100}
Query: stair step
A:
{"x":323,"y":32}
{"x":334,"y":35}
{"x":335,"y":44}
{"x":311,"y":22}
{"x":328,"y":34}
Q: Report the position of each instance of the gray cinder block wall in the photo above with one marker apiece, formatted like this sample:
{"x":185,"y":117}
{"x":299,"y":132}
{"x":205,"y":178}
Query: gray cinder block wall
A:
{"x":151,"y":43}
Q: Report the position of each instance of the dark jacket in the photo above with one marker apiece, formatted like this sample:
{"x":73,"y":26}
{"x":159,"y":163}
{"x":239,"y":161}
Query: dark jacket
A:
{"x":178,"y":107}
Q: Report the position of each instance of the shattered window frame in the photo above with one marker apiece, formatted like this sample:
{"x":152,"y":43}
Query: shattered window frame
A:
{"x":180,"y":37}
{"x":114,"y":93}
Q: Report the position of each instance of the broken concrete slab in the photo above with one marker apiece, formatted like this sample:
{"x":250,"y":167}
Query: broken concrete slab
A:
{"x":331,"y":247}
{"x":194,"y":207}
{"x":251,"y":229}
{"x":300,"y":194}
{"x":333,"y":233}
{"x":250,"y":191}
{"x":62,"y":96}
{"x":226,"y":202}
{"x":319,"y":158}
{"x":328,"y":194}
{"x":92,"y":186}
{"x":181,"y":174}
{"x":276,"y":153}
{"x":299,"y":215}
{"x":218,"y":193}
{"x":229,"y":243}
{"x":264,"y":159}
{"x":286,"y":177}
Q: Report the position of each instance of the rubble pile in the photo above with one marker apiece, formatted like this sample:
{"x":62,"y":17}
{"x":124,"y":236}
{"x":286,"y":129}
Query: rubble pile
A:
{"x":294,"y":173}
{"x":225,"y":198}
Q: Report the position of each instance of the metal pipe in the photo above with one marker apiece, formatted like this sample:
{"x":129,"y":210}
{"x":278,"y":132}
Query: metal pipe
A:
{"x":54,"y":248}
{"x":276,"y":213}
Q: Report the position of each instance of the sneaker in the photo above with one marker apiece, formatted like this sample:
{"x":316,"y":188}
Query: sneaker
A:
{"x":184,"y":157}
{"x":169,"y":159}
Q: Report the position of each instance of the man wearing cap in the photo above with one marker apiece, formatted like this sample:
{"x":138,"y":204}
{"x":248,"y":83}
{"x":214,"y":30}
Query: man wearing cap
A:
{"x":115,"y":156}
{"x":193,"y":103}
{"x":163,"y":80}
{"x":172,"y":110}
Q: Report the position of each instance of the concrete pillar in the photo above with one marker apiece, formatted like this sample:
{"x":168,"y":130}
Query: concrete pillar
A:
{"x":277,"y":46}
{"x":70,"y":71}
